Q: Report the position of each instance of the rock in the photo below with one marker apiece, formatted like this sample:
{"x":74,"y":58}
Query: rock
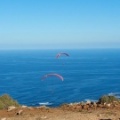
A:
{"x":73,"y":108}
{"x":108,"y":105}
{"x":79,"y":108}
{"x":43,"y":117}
{"x":43,"y":106}
{"x":104,"y":103}
{"x":23,"y":106}
{"x":95,"y":105}
{"x":30,"y":108}
{"x":88,"y":102}
{"x":19,"y":112}
{"x":100,"y":105}
{"x":83,"y":103}
{"x":11,"y":108}
{"x":99,"y":115}
{"x":91,"y":106}
{"x":105,"y":119}
{"x":3,"y":119}
{"x":85,"y":107}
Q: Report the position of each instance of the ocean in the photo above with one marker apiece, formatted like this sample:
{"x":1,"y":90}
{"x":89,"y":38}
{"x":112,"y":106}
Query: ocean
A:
{"x":88,"y":74}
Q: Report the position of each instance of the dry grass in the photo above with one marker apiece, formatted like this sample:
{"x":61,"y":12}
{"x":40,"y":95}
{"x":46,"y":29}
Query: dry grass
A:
{"x":6,"y":100}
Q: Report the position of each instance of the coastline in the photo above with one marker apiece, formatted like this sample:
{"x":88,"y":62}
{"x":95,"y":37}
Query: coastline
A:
{"x":75,"y":111}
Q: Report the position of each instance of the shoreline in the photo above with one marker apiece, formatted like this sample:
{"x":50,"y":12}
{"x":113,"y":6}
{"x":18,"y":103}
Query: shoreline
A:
{"x":73,"y":111}
{"x":106,"y":108}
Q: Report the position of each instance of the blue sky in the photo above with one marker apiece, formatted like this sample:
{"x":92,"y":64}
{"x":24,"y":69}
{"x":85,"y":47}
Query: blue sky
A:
{"x":38,"y":24}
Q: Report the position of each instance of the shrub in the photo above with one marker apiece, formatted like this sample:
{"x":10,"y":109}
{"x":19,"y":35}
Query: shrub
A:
{"x":6,"y":100}
{"x":108,"y":99}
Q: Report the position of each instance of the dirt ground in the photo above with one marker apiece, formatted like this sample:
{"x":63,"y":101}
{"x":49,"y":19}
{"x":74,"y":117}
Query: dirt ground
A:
{"x":30,"y":113}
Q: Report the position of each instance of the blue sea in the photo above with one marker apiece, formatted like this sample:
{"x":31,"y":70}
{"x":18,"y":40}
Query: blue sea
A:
{"x":88,"y":74}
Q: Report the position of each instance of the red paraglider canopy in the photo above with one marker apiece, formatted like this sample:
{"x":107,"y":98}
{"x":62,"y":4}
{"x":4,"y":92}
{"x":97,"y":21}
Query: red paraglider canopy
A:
{"x":53,"y":74}
{"x":60,"y":54}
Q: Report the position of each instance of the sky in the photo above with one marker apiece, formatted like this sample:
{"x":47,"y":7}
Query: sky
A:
{"x":56,"y":24}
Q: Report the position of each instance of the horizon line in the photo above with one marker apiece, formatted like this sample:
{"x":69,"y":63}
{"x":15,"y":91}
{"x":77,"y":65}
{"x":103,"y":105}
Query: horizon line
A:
{"x":57,"y":48}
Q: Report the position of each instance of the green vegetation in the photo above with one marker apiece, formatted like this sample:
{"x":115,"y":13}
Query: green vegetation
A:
{"x":6,"y":100}
{"x":108,"y":99}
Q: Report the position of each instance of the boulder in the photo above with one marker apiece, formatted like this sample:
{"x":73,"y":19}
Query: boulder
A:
{"x":11,"y":108}
{"x":19,"y":112}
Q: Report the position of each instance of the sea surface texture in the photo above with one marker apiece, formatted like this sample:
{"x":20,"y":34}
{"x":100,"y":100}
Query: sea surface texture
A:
{"x":88,"y":74}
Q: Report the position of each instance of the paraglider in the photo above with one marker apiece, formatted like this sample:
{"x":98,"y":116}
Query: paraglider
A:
{"x":53,"y":74}
{"x":61,"y":54}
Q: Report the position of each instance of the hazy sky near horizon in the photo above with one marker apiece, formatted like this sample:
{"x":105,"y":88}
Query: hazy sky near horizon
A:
{"x":27,"y":24}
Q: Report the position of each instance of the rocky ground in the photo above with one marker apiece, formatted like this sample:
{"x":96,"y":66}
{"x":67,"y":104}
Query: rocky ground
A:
{"x":76,"y":111}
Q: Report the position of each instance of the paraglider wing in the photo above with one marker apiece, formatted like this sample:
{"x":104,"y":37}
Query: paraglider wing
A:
{"x":53,"y":74}
{"x":59,"y":54}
